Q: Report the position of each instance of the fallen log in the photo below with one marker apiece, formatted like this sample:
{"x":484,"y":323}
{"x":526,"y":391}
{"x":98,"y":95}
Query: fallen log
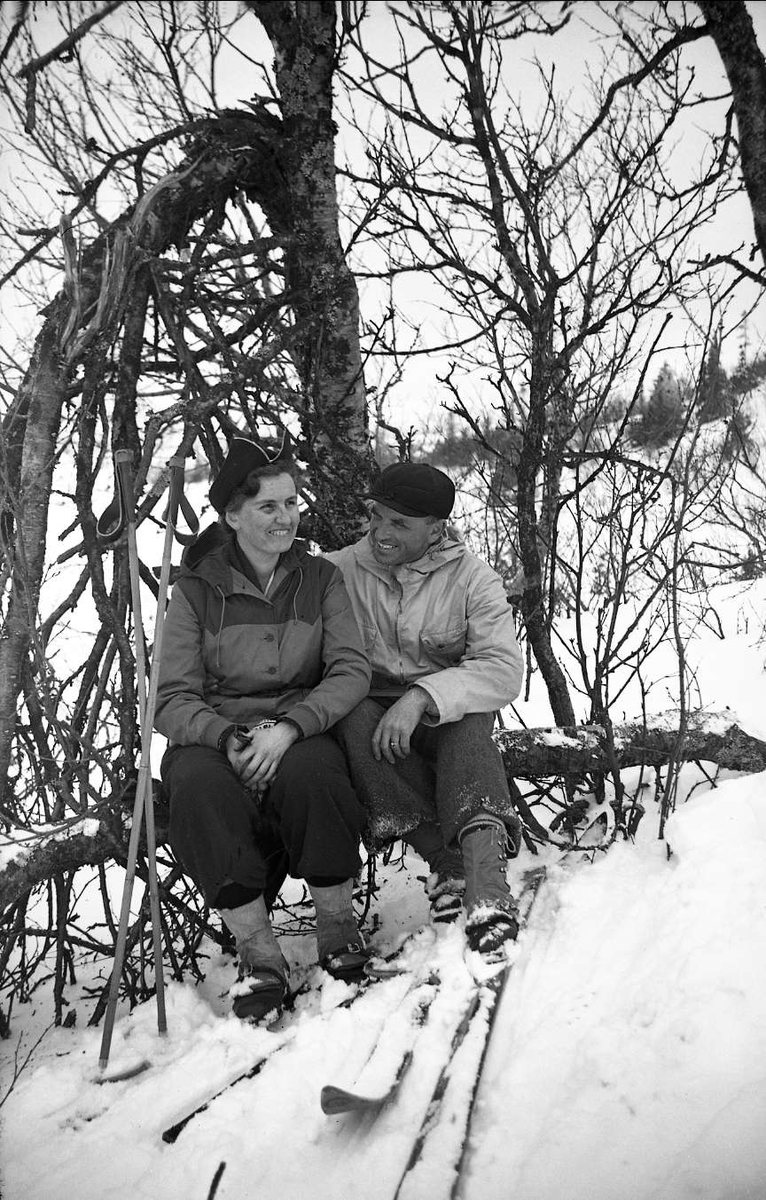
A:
{"x":573,"y":751}
{"x":30,"y":857}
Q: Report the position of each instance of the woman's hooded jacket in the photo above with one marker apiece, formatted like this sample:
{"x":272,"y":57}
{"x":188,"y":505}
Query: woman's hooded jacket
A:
{"x":231,"y":655}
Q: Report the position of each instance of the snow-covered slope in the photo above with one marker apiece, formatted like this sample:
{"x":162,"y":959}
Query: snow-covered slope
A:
{"x":628,"y":1059}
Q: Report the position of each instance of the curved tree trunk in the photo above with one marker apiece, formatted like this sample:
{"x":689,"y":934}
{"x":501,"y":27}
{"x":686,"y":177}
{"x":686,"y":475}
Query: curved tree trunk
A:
{"x":90,"y":308}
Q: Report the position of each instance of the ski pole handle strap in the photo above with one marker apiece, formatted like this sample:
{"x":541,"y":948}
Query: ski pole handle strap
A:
{"x":176,"y":500}
{"x":111,"y":524}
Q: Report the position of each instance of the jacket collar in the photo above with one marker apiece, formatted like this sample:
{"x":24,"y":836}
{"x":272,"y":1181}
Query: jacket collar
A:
{"x":210,"y":558}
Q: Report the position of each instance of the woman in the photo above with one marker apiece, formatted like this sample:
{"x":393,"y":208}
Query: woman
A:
{"x":261,"y":656}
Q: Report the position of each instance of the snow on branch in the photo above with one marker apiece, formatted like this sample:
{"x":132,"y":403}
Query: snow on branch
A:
{"x":29,"y":857}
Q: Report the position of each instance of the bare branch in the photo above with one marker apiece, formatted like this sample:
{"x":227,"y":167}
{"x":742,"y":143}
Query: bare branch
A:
{"x":69,"y":42}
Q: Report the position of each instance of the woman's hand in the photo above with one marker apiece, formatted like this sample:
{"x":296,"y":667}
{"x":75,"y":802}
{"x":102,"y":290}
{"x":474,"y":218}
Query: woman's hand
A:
{"x":257,"y":760}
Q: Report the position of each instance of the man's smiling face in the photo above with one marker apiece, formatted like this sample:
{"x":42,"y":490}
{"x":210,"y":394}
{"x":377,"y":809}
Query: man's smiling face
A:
{"x":398,"y":539}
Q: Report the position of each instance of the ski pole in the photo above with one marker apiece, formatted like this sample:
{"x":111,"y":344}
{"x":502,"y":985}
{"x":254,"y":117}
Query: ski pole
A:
{"x":143,"y":805}
{"x":175,"y":491}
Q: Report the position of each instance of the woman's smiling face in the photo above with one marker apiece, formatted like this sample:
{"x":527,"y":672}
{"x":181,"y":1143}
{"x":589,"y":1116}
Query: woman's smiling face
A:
{"x":266,"y":524}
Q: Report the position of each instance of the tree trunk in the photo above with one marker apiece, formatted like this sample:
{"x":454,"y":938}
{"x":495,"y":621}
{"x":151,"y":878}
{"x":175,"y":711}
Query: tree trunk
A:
{"x":322,"y":289}
{"x":533,"y":601}
{"x":40,"y":401}
{"x":731,"y":28}
{"x":535,"y":308}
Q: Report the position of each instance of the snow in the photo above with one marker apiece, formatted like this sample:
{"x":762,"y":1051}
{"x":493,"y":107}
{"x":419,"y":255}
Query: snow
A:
{"x":635,"y":1064}
{"x":628,"y":1057}
{"x":553,"y":738}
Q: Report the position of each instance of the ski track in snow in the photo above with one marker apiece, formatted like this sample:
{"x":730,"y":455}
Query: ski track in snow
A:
{"x":628,"y":1060}
{"x":631,"y":1048}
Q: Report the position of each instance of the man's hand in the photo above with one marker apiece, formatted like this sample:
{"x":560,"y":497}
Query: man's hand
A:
{"x":391,"y":739}
{"x":257,"y":760}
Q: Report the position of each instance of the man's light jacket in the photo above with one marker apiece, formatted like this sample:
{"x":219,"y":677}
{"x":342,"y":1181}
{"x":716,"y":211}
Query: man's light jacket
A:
{"x":443,"y":622}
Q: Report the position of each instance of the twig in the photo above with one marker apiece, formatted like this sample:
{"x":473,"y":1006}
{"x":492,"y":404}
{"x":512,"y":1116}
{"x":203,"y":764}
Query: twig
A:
{"x":216,"y":1180}
{"x":18,"y":1069}
{"x":15,"y":28}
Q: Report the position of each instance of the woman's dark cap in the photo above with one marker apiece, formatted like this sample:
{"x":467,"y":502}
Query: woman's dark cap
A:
{"x":243,"y":457}
{"x":415,"y":490}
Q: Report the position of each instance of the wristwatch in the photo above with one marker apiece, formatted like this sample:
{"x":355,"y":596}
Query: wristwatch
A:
{"x":228,"y":731}
{"x":223,"y":739}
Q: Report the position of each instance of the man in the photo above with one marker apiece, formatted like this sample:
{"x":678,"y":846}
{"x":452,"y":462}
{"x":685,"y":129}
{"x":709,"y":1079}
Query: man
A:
{"x":440,"y":634}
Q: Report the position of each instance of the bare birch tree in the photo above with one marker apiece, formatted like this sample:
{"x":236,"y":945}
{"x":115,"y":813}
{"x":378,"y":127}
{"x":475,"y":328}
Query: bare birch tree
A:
{"x":555,"y":240}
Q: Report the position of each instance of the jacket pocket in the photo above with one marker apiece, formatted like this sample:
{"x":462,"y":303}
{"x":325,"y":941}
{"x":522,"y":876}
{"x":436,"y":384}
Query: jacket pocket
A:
{"x":445,"y":645}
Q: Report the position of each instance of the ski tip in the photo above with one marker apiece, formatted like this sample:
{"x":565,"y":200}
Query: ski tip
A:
{"x":121,"y":1071}
{"x":381,"y":970}
{"x":336,"y":1100}
{"x":171,"y":1135}
{"x":534,"y":875}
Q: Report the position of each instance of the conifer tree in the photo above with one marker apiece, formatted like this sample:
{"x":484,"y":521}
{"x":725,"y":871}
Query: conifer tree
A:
{"x":662,"y":416}
{"x":714,"y":397}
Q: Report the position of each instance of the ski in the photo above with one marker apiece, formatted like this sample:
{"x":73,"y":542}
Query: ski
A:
{"x":172,"y":1132}
{"x":483,"y":1002}
{"x":390,"y":1060}
{"x":536,"y":881}
{"x":336,"y":1100}
{"x":389,"y":965}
